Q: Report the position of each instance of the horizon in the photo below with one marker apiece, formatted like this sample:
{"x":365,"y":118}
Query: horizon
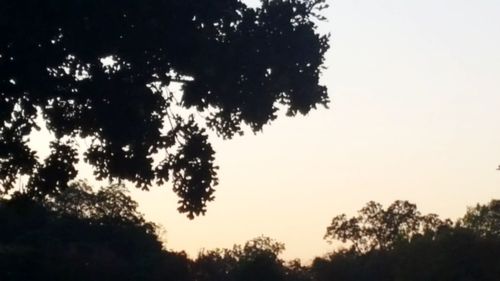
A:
{"x":413,"y":116}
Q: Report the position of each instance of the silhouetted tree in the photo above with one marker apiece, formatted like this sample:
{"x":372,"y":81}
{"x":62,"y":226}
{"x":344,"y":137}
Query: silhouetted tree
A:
{"x":452,"y":254}
{"x":100,"y":69}
{"x":425,"y":247}
{"x":257,"y":260}
{"x":215,"y":265}
{"x":40,"y":241}
{"x":376,"y":228}
{"x":350,"y":265}
{"x":295,"y":271}
{"x":483,"y":219}
{"x":111,"y":203}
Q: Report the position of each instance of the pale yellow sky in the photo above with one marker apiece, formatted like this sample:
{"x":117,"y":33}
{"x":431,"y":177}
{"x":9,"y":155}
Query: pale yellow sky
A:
{"x":415,"y":115}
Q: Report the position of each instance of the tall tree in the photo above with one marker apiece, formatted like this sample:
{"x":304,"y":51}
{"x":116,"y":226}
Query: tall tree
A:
{"x":79,"y":235}
{"x":483,"y":219}
{"x":100,"y":69}
{"x":376,"y":228}
{"x":257,"y":260}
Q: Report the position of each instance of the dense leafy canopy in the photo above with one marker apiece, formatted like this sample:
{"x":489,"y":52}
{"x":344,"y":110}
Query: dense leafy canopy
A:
{"x":101,"y":70}
{"x":398,"y":243}
{"x":484,"y":219}
{"x":376,"y":228}
{"x":79,"y":235}
{"x":111,"y":203}
{"x":257,"y":260}
{"x":449,"y":255}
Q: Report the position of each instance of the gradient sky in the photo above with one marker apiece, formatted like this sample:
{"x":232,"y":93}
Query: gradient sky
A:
{"x":415,"y":115}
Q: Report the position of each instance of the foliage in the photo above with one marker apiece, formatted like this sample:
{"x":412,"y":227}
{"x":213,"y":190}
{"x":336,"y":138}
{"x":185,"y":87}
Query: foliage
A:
{"x":257,"y":260}
{"x":484,"y":219}
{"x":101,"y":70}
{"x":376,"y":228}
{"x":214,"y":265}
{"x":452,"y":254}
{"x":431,"y":249}
{"x":45,"y":241}
{"x":111,"y":203}
{"x":80,"y":241}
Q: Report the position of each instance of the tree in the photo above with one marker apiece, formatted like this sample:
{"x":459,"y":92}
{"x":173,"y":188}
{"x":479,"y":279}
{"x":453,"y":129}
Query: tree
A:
{"x":111,"y":203}
{"x":454,"y":253}
{"x":398,"y":243}
{"x":214,"y":265}
{"x":376,"y":228}
{"x":68,"y":238}
{"x":483,"y":219}
{"x":100,"y":70}
{"x":257,"y":260}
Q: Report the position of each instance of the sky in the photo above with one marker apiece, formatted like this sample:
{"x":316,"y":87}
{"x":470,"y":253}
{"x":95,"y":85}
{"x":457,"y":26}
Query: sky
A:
{"x":415,"y":115}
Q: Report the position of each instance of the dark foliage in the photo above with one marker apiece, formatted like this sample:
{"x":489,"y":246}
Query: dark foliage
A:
{"x":81,"y":235}
{"x":443,"y":252}
{"x":376,"y":228}
{"x":452,"y":254}
{"x":257,"y":260}
{"x":484,"y":219}
{"x":99,"y":69}
{"x":68,"y":239}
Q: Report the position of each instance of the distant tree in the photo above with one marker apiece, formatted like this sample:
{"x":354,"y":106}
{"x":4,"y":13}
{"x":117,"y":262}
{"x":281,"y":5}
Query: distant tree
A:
{"x":398,"y":243}
{"x":78,"y":241}
{"x":214,"y":265}
{"x":454,"y":253}
{"x":483,"y":219}
{"x":376,"y":228}
{"x":111,"y":203}
{"x":100,"y":70}
{"x":296,"y":271}
{"x":257,"y":260}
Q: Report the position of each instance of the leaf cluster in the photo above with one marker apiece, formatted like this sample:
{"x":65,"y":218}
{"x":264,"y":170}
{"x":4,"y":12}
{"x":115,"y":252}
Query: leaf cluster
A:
{"x":377,"y":228}
{"x":102,"y":70}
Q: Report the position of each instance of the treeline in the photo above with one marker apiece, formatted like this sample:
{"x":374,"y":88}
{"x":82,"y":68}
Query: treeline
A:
{"x":399,"y":243}
{"x":83,"y":234}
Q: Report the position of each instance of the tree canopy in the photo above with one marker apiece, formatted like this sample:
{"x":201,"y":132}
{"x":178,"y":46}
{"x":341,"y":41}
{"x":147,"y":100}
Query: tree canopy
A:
{"x":483,"y":219}
{"x":398,"y":243}
{"x":257,"y":260}
{"x":79,"y":235}
{"x":376,"y":228}
{"x":101,"y":70}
